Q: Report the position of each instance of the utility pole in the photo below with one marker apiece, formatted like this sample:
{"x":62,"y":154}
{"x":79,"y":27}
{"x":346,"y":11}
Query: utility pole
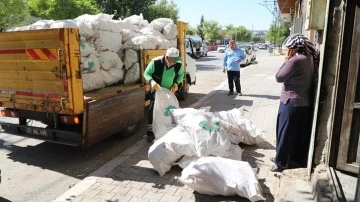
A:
{"x":272,"y":7}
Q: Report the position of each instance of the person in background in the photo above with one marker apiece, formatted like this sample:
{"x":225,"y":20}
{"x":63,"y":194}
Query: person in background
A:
{"x":231,"y":64}
{"x":165,"y":71}
{"x":293,"y":129}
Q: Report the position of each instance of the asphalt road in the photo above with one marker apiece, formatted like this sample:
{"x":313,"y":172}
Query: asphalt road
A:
{"x":34,"y":170}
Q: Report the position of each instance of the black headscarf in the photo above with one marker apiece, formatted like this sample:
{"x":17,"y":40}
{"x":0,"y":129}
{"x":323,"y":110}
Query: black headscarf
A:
{"x":304,"y":46}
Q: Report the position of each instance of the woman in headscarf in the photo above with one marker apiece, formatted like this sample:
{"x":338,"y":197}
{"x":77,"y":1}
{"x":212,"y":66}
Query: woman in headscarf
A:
{"x":293,"y":129}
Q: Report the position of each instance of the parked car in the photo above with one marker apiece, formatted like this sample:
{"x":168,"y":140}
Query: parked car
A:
{"x":250,"y":52}
{"x":262,"y":46}
{"x":221,"y":48}
{"x":204,"y":50}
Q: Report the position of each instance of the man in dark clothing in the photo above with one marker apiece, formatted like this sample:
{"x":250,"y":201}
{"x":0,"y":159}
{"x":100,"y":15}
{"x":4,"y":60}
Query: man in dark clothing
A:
{"x":166,"y":71}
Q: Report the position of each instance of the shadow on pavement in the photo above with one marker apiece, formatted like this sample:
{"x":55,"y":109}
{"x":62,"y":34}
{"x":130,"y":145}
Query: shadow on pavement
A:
{"x":4,"y":199}
{"x":264,"y":96}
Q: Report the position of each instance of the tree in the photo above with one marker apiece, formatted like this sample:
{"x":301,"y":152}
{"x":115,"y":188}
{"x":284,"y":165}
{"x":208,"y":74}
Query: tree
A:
{"x":12,"y":13}
{"x":190,"y":30}
{"x":212,"y":30}
{"x":256,"y":39}
{"x":125,"y":8}
{"x":163,"y":9}
{"x":238,"y":33}
{"x":61,"y":9}
{"x":276,"y":34}
{"x":199,"y":28}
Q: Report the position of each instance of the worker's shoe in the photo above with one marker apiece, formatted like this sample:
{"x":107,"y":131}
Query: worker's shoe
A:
{"x":150,"y":136}
{"x":276,"y":168}
{"x":230,"y":93}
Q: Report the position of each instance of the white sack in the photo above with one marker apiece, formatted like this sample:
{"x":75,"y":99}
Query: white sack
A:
{"x":128,"y":34}
{"x":90,"y":63}
{"x":92,"y":81}
{"x":109,"y":60}
{"x":89,"y":24}
{"x":159,"y":23}
{"x":173,"y":42}
{"x":170,"y":31}
{"x":115,"y":26}
{"x":106,"y":40}
{"x":131,"y":57}
{"x":141,"y":42}
{"x":41,"y":24}
{"x":133,"y":74}
{"x":220,"y":176}
{"x":64,"y":24}
{"x":169,"y":148}
{"x":162,"y":44}
{"x":86,"y":48}
{"x":150,"y":31}
{"x":112,"y":76}
{"x":178,"y":114}
{"x":234,"y":153}
{"x":165,"y":100}
{"x":135,"y":20}
{"x":246,"y":132}
{"x":209,"y":137}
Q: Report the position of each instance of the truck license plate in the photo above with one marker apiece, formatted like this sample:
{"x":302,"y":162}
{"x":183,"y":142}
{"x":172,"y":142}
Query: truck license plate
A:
{"x":37,"y":131}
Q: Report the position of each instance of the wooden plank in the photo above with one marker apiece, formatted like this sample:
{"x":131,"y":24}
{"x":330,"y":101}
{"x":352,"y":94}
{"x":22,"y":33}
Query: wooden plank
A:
{"x":28,"y":65}
{"x":52,"y":86}
{"x":111,"y":91}
{"x":44,"y":43}
{"x":111,"y":115}
{"x":30,"y":35}
{"x":30,"y":75}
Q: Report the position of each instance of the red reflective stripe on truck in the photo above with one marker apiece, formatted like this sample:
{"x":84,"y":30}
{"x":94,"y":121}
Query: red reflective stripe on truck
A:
{"x":42,"y":95}
{"x":14,"y":51}
{"x":33,"y":54}
{"x":48,"y":54}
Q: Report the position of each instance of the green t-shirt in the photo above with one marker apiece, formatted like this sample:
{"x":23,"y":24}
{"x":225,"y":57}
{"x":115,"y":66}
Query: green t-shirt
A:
{"x":167,"y":79}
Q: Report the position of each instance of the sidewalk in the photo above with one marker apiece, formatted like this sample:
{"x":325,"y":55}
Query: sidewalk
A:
{"x":130,"y":176}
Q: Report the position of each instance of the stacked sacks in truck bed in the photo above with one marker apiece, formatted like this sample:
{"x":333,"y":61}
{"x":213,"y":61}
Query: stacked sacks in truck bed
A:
{"x":110,"y":48}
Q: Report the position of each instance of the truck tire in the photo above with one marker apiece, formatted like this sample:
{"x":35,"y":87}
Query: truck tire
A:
{"x":129,"y":130}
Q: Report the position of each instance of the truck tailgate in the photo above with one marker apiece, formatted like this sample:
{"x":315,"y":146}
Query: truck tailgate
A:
{"x":40,"y":71}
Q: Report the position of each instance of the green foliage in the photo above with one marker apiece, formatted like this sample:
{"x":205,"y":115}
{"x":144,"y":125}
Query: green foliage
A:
{"x":190,"y":30}
{"x":61,"y":9}
{"x":256,"y":39}
{"x":125,"y":8}
{"x":162,"y":9}
{"x":278,"y":34}
{"x":240,"y":33}
{"x":12,"y":12}
{"x":199,"y":28}
{"x":212,"y":30}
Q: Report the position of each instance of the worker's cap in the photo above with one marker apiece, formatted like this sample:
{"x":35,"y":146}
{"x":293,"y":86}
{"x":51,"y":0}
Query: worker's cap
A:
{"x":174,"y":54}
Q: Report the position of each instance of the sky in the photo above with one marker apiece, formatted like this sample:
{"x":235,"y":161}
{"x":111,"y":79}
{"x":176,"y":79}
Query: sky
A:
{"x":248,"y":13}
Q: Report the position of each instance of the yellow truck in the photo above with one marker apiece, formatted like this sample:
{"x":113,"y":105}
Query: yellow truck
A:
{"x":40,"y":80}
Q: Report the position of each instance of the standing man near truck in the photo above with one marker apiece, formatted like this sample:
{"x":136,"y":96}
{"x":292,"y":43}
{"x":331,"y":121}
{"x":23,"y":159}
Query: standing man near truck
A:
{"x":166,"y":71}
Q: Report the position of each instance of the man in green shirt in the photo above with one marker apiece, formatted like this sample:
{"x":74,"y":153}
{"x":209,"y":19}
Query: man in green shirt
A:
{"x":166,"y":71}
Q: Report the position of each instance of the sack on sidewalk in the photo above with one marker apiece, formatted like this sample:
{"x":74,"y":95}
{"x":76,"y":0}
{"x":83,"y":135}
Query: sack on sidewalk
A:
{"x":220,"y":176}
{"x":165,"y":100}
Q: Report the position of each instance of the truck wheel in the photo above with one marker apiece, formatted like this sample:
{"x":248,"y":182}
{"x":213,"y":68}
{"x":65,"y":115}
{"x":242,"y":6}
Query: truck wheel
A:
{"x":129,"y":131}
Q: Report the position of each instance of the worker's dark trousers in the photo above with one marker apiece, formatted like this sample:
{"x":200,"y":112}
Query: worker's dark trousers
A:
{"x":292,"y":135}
{"x":234,"y":77}
{"x":151,"y":95}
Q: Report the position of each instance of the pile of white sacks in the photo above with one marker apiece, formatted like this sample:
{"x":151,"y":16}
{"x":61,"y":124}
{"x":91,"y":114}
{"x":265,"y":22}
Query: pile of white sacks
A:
{"x":206,"y":145}
{"x":110,"y":48}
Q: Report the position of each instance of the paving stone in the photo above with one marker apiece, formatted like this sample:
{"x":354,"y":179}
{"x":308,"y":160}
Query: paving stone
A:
{"x":88,"y":199}
{"x":78,"y":198}
{"x":121,"y":190}
{"x":135,"y":184}
{"x":184,"y":193}
{"x":106,"y":187}
{"x":96,"y":185}
{"x":169,"y":190}
{"x":106,"y":180}
{"x":136,"y":199}
{"x":153,"y":196}
{"x":90,"y":193}
{"x":136,"y":192}
{"x":121,"y":198}
{"x":150,"y":187}
{"x":170,"y":198}
{"x":105,"y":195}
